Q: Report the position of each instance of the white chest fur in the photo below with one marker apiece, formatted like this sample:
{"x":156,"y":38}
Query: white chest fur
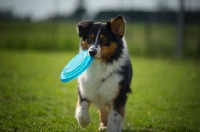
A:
{"x":100,"y":82}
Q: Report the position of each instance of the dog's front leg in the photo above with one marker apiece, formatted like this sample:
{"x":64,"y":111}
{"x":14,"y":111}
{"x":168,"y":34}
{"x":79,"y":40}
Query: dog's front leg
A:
{"x":82,"y":114}
{"x":82,"y":111}
{"x":115,"y":120}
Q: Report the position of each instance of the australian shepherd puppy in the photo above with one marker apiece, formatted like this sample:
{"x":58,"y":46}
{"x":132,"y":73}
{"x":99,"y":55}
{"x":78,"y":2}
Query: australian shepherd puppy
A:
{"x":107,"y":81}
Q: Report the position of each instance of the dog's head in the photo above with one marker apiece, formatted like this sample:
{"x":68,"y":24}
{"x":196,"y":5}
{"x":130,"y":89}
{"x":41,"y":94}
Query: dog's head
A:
{"x":103,"y":40}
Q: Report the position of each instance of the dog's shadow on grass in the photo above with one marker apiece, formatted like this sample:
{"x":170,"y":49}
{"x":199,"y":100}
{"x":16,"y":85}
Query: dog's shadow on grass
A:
{"x":136,"y":130}
{"x":140,"y":130}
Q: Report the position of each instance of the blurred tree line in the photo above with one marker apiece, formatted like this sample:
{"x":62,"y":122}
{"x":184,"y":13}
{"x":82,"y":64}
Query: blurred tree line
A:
{"x":151,"y":20}
{"x":163,"y":15}
{"x":8,"y":14}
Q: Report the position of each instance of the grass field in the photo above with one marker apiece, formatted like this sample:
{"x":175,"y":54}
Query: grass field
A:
{"x":32,"y":98}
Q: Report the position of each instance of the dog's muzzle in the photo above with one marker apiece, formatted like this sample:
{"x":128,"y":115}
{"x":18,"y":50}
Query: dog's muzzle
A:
{"x":92,"y":51}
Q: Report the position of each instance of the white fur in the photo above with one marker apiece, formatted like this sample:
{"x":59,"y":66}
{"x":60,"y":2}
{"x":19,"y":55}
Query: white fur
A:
{"x":102,"y":128}
{"x":91,"y":85}
{"x":82,"y":114}
{"x":115,"y":122}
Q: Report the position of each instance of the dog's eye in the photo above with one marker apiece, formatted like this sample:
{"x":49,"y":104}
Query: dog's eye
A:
{"x":103,"y":40}
{"x":85,"y":37}
{"x":90,"y":39}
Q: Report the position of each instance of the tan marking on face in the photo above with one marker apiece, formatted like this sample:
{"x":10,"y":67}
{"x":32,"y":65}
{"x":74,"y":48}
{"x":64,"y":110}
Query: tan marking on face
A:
{"x":92,"y":36}
{"x":85,"y":44}
{"x":108,"y":51}
{"x":103,"y":39}
{"x":102,"y":36}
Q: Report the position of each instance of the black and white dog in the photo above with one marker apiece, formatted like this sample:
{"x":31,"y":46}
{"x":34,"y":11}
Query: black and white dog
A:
{"x":107,"y":81}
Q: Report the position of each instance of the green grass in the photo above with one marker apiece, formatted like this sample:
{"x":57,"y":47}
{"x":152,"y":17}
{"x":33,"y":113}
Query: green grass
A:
{"x":32,"y":98}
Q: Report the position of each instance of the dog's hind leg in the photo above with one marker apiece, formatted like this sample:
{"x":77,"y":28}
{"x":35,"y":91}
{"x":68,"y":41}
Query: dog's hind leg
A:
{"x":82,"y":114}
{"x":103,"y":114}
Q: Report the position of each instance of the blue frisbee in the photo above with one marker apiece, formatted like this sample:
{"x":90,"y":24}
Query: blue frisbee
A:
{"x":76,"y":66}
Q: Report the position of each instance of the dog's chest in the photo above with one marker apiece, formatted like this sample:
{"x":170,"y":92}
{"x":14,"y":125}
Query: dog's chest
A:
{"x":100,"y":83}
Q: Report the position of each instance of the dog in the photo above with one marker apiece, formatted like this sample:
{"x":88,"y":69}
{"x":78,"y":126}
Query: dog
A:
{"x":107,"y":81}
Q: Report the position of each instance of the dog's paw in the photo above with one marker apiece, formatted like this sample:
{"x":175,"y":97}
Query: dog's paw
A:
{"x":83,"y":120}
{"x":115,"y":122}
{"x":102,"y":128}
{"x":82,"y":117}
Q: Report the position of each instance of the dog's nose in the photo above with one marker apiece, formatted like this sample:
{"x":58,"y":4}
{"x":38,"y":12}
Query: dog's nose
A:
{"x":92,"y":51}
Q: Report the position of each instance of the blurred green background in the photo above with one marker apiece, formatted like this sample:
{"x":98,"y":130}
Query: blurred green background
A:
{"x":164,"y":29}
{"x":163,"y":38}
{"x":62,"y":36}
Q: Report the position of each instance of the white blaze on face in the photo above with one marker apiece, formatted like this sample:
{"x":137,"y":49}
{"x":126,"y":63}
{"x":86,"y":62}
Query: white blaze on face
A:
{"x":96,"y":45}
{"x":96,"y":39}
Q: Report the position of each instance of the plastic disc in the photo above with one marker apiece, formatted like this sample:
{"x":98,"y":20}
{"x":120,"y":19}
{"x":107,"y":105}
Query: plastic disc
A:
{"x":76,"y":66}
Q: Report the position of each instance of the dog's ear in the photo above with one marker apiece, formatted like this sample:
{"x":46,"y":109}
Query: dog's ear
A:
{"x":117,"y":25}
{"x":83,"y":27}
